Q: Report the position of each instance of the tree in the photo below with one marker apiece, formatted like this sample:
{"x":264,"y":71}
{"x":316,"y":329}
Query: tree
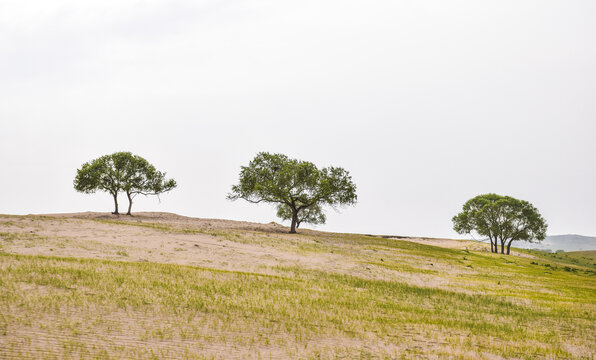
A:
{"x":140,"y":177}
{"x":296,"y":184}
{"x":121,"y":171}
{"x":502,"y":219}
{"x":311,"y":215}
{"x":103,"y":174}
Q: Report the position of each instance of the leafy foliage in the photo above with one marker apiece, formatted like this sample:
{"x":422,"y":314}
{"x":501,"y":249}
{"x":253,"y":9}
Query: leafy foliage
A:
{"x":500,"y":218}
{"x":311,"y":215}
{"x":122,"y":172}
{"x":141,"y":177}
{"x":296,"y":184}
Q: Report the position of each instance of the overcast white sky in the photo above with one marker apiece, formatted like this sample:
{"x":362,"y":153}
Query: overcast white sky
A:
{"x":426,"y":103}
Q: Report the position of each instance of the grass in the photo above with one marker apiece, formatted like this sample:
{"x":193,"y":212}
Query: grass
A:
{"x":297,"y":305}
{"x":161,"y":227}
{"x":31,"y":239}
{"x":392,"y":299}
{"x":586,"y":259}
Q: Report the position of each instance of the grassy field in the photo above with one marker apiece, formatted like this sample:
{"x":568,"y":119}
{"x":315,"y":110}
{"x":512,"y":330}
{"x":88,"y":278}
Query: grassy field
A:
{"x":371,"y":298}
{"x":579,"y":258}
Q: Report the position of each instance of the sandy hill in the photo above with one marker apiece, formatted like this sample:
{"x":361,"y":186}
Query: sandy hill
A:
{"x":158,"y":285}
{"x":170,"y":238}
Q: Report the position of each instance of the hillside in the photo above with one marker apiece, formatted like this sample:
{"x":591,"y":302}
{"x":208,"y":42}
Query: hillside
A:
{"x":159,"y":285}
{"x":569,"y":242}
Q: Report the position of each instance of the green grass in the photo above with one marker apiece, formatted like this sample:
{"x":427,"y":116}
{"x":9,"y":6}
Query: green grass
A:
{"x":380,"y":298}
{"x":586,"y":259}
{"x":301,"y":305}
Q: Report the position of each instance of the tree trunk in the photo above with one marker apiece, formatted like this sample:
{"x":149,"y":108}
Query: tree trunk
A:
{"x":294,"y":221}
{"x":129,"y":203}
{"x":509,"y":246}
{"x":492,"y":246}
{"x":502,"y":247}
{"x":115,"y":204}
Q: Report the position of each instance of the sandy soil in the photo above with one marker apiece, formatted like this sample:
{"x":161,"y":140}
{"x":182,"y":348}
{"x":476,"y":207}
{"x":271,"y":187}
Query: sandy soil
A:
{"x":450,"y":243}
{"x":457,"y":244}
{"x":87,"y":235}
{"x":181,"y":221}
{"x":213,"y":243}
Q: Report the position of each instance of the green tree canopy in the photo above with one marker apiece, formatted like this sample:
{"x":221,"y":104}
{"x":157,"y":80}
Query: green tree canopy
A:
{"x":296,"y":184}
{"x":502,"y":219}
{"x":122,"y":172}
{"x":311,"y":215}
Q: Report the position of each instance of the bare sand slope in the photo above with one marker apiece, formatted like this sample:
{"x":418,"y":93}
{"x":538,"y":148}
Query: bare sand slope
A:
{"x":178,"y":220}
{"x":219,"y":244}
{"x":151,"y":237}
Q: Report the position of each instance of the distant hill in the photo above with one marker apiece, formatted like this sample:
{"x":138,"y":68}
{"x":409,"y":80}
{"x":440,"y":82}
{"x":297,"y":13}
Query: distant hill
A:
{"x":570,"y":242}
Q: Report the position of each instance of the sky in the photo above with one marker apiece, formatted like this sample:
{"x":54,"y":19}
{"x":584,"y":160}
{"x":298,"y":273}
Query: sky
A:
{"x":426,"y":103}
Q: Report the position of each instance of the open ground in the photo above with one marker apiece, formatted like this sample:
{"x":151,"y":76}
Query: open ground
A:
{"x":159,"y":285}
